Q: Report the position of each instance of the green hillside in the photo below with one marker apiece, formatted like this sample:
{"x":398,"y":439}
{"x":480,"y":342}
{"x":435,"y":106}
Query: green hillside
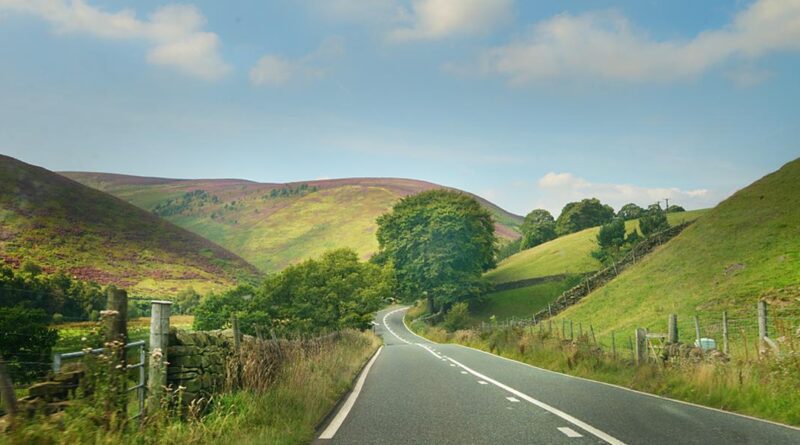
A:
{"x":569,"y":254}
{"x":745,"y":249}
{"x":64,"y":226}
{"x":274,"y":225}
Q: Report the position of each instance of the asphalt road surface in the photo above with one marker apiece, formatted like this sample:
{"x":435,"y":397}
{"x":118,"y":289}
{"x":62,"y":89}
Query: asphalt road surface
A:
{"x":418,"y":392}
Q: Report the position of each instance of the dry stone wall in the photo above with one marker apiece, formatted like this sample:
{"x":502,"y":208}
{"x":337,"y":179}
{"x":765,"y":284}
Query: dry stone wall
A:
{"x":200,"y":362}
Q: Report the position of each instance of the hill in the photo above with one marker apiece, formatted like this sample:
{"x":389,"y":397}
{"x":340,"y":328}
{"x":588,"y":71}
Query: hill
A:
{"x":745,"y":249}
{"x":559,"y":264}
{"x":569,"y":254}
{"x":65,"y":226}
{"x":273,"y":225}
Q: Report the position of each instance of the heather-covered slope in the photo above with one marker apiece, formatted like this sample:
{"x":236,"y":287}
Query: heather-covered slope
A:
{"x":65,"y":226}
{"x":274,"y":225}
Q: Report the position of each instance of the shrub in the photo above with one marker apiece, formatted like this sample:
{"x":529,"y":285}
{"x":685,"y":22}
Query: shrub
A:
{"x":457,"y":317}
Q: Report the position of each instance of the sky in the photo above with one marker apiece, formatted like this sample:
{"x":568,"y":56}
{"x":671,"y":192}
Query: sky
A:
{"x":528,"y":104}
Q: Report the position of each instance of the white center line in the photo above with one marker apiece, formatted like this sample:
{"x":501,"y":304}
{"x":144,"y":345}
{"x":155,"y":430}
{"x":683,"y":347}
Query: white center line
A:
{"x":482,"y":382}
{"x":579,"y":423}
{"x":512,"y":399}
{"x":569,"y":432}
{"x":463,"y":372}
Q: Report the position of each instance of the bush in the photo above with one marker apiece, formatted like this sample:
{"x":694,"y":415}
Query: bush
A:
{"x":457,"y":317}
{"x":653,"y":221}
{"x":25,"y":342}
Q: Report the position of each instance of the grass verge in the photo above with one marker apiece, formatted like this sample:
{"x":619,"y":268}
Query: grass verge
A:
{"x":287,"y":411}
{"x":765,"y":388}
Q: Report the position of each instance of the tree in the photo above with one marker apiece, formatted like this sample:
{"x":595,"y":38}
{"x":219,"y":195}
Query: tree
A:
{"x":654,"y":220}
{"x":581,"y":215}
{"x":675,"y":209}
{"x":25,"y":342}
{"x":439,"y":242}
{"x":538,"y":227}
{"x":187,"y":300}
{"x":630,"y":211}
{"x":333,"y":292}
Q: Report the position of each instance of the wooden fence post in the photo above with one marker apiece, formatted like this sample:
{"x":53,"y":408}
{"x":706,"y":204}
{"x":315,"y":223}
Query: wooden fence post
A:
{"x":641,"y":346}
{"x":725,"y":332}
{"x":550,"y":309}
{"x":116,"y":324}
{"x":594,"y":339}
{"x":613,"y":345}
{"x":159,"y":341}
{"x":633,"y":351}
{"x":762,"y":325}
{"x":697,"y":331}
{"x":564,"y":329}
{"x":7,"y":394}
{"x":571,"y":332}
{"x":237,"y":340}
{"x":673,"y":328}
{"x":580,"y":329}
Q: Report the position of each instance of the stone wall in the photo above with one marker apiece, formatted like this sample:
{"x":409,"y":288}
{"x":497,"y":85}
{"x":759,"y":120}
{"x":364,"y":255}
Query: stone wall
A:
{"x":200,"y":361}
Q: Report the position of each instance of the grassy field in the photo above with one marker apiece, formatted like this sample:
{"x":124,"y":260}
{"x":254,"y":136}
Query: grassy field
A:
{"x":287,"y":411}
{"x":570,"y":254}
{"x":745,"y":249}
{"x":521,"y":302}
{"x":71,"y":335}
{"x":64,"y":226}
{"x":273,"y":232}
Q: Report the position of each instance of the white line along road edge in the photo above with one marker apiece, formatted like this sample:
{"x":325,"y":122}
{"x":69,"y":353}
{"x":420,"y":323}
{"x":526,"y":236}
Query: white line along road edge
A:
{"x":333,"y":427}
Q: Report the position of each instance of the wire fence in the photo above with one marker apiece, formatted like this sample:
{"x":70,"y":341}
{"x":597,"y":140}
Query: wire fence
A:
{"x":738,"y":336}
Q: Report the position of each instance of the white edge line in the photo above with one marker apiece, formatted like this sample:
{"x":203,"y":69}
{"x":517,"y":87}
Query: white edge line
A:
{"x":683,"y":402}
{"x":333,"y":427}
{"x":580,"y":424}
{"x":569,"y":432}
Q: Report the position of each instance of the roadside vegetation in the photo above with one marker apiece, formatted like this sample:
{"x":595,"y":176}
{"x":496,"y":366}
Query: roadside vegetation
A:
{"x":765,"y":388}
{"x":283,"y":405}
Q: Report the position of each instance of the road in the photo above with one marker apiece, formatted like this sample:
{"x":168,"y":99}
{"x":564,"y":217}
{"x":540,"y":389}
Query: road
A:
{"x":418,"y":392}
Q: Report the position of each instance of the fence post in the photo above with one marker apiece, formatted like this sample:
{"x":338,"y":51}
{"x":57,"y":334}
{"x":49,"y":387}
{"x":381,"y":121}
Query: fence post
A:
{"x":613,"y":345}
{"x":725,"y":332}
{"x":673,"y":328}
{"x":594,"y":339}
{"x":571,"y":332}
{"x":580,"y":329}
{"x":159,"y":341}
{"x":762,"y":325}
{"x":237,"y":341}
{"x":116,"y":323}
{"x":564,"y":329}
{"x":7,"y":394}
{"x":697,"y":331}
{"x":633,"y":351}
{"x":550,"y":309}
{"x":641,"y":346}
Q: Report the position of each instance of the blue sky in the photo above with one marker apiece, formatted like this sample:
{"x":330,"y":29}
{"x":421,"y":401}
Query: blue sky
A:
{"x":529,"y":104}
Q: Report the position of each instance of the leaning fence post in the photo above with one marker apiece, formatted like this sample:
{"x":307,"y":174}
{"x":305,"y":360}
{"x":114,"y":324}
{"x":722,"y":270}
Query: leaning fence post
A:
{"x":725,"y":332}
{"x":762,"y":325}
{"x":673,"y":328}
{"x":641,"y":346}
{"x":159,"y":341}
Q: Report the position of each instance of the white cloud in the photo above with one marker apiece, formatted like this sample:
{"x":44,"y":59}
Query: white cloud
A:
{"x":360,"y":11}
{"x":274,"y":71}
{"x":174,"y":32}
{"x":556,"y":189}
{"x":435,"y":19}
{"x":606,"y":46}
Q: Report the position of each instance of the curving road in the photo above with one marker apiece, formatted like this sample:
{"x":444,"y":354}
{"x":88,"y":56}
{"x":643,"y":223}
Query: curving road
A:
{"x":418,"y":392}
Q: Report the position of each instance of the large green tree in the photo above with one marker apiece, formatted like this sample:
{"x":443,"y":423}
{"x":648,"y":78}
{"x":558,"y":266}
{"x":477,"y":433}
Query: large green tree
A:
{"x":630,"y":211}
{"x":654,"y":220}
{"x":583,"y":214}
{"x":440,"y":243}
{"x":539,"y":227}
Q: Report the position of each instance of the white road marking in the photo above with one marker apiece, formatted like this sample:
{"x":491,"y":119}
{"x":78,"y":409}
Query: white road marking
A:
{"x":452,"y":364}
{"x":482,"y":382}
{"x":579,"y":423}
{"x":569,"y":432}
{"x":386,"y":324}
{"x":463,"y":372}
{"x":333,"y":427}
{"x":512,"y":399}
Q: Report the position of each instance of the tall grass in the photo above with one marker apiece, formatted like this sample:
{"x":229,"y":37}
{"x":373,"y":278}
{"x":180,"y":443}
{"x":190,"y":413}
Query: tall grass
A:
{"x":765,"y":388}
{"x":286,"y":389}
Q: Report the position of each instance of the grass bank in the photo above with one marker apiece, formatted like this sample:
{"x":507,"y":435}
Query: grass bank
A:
{"x":286,"y":411}
{"x":761,"y":388}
